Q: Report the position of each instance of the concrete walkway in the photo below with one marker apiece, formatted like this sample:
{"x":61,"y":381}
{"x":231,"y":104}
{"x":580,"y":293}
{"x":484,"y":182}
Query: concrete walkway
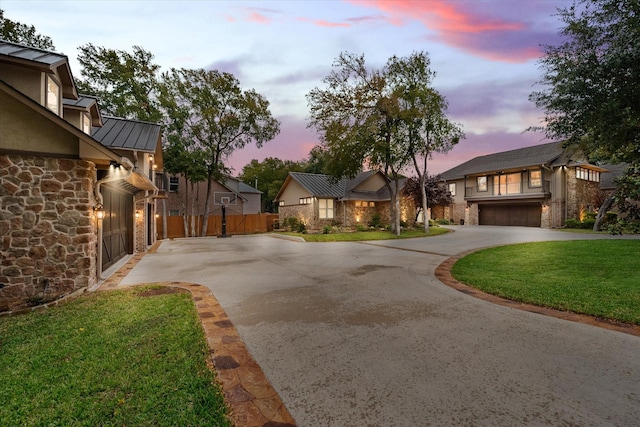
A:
{"x":364,"y":334}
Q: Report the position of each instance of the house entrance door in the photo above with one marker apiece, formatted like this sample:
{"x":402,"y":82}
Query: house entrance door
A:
{"x":117,"y":226}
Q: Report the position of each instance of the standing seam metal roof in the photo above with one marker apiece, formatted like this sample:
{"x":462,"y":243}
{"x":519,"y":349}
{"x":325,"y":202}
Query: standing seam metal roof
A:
{"x":127,"y":134}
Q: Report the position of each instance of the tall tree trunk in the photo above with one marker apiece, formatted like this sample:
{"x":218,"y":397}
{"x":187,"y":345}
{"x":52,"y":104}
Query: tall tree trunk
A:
{"x":185,"y":209}
{"x":164,"y":218}
{"x":423,"y":193}
{"x":606,"y":205}
{"x":205,"y":218}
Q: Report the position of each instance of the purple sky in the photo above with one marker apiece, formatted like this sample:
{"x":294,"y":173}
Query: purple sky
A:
{"x":484,"y":53}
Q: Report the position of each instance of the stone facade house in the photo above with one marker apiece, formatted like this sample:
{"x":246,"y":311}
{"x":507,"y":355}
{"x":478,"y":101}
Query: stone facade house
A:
{"x":61,"y":189}
{"x":317,"y":200}
{"x":538,"y":186}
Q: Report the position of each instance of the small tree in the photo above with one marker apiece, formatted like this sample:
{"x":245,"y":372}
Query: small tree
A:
{"x":436,"y":193}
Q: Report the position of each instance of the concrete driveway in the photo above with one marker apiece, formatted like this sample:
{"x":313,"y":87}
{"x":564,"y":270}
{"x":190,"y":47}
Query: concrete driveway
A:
{"x":363,"y":334}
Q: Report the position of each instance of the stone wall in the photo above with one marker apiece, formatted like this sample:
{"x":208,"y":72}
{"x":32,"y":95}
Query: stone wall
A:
{"x":47,"y":229}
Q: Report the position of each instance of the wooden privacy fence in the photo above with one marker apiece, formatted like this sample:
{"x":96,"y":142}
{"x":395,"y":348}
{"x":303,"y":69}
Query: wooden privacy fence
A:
{"x":236,"y":224}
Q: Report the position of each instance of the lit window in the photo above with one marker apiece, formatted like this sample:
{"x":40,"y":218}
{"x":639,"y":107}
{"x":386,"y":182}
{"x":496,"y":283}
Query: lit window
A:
{"x":174,"y":182}
{"x":306,"y":200}
{"x":587,"y":174}
{"x":358,"y":203}
{"x":86,"y":123}
{"x":53,"y":95}
{"x":326,"y":208}
{"x":372,"y":204}
{"x":535,"y":178}
{"x":482,"y":183}
{"x":507,"y":184}
{"x":452,"y":188}
{"x":281,"y":203}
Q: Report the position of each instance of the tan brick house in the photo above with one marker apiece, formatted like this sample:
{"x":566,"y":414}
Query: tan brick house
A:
{"x":317,"y":200}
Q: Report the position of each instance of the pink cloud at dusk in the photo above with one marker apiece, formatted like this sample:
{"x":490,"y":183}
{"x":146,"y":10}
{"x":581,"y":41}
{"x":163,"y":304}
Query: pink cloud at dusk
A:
{"x":323,"y":23}
{"x":471,"y":28}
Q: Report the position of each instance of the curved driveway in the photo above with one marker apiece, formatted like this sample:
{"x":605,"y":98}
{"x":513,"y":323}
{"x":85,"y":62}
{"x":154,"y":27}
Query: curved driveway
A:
{"x":363,"y":334}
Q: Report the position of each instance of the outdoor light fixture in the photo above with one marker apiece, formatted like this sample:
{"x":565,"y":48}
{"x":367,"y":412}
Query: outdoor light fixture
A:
{"x":114,"y":164}
{"x":100,"y":213}
{"x":137,"y":214}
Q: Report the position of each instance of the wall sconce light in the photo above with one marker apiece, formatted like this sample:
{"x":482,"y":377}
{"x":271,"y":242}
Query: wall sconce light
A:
{"x":114,"y":164}
{"x":157,"y":215}
{"x":151,"y":157}
{"x":99,"y":213}
{"x":138,"y":214}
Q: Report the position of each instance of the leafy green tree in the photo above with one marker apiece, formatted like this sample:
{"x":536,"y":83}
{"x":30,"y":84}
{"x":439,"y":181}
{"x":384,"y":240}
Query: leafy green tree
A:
{"x":317,"y":160}
{"x":16,"y":32}
{"x":357,"y":117}
{"x":423,"y":124}
{"x":126,"y":84}
{"x":212,"y":113}
{"x":591,"y":82}
{"x":268,"y":177}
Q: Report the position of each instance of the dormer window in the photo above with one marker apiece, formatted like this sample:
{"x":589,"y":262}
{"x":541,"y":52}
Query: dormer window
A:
{"x":86,"y":123}
{"x":52,"y":100}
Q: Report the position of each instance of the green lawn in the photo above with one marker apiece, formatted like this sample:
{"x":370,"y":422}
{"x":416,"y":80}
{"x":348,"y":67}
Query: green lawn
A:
{"x":358,"y":236}
{"x":109,"y":359}
{"x":600,"y":277}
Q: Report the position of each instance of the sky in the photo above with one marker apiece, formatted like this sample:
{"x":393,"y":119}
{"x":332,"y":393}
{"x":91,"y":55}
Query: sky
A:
{"x":485,"y":54}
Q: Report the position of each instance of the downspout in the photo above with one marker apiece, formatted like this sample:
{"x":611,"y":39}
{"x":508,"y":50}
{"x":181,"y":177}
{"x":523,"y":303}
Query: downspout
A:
{"x":99,"y":205}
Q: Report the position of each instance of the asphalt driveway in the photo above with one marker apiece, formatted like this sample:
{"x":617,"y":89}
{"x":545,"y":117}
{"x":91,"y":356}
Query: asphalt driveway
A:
{"x":363,"y":334}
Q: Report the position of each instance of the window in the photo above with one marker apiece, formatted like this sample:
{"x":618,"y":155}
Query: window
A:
{"x":326,"y":208}
{"x":587,"y":174}
{"x":281,"y":203}
{"x":174,"y":182}
{"x":507,"y":184}
{"x":86,"y":123}
{"x":358,"y":203}
{"x":452,"y":188}
{"x":372,"y":204}
{"x":535,"y":178}
{"x":174,"y":212}
{"x":53,"y":95}
{"x":306,"y":200}
{"x":482,"y":183}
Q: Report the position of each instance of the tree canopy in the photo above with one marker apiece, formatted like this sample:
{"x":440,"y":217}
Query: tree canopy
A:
{"x":383,"y":118}
{"x":591,"y":81}
{"x":125,"y":83}
{"x":17,"y":32}
{"x":211,"y":113}
{"x":591,"y":94}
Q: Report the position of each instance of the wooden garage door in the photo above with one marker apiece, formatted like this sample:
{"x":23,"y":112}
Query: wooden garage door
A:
{"x":525,"y":215}
{"x":117,"y":226}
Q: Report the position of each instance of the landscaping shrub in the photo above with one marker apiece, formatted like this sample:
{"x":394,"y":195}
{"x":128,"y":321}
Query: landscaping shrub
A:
{"x":588,"y":223}
{"x":326,"y":229}
{"x":572,"y":223}
{"x":361,"y":227}
{"x":375,"y":220}
{"x":301,"y":227}
{"x":443,"y":221}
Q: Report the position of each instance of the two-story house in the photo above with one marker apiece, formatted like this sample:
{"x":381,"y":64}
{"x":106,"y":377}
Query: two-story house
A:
{"x":63,"y":194}
{"x":538,"y":186}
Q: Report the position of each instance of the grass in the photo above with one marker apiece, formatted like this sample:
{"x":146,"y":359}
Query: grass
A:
{"x":110,"y":359}
{"x":598,"y":278}
{"x":358,"y":236}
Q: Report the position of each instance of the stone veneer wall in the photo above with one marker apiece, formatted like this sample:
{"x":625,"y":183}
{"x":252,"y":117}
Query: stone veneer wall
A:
{"x":140,"y":222}
{"x":47,"y":229}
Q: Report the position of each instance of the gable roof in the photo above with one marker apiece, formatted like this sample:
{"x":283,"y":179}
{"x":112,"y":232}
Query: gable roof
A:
{"x":323,"y":186}
{"x":41,"y":60}
{"x":544,"y":154}
{"x":127,"y":134}
{"x":319,"y":185}
{"x":239,"y":187}
{"x":86,"y":103}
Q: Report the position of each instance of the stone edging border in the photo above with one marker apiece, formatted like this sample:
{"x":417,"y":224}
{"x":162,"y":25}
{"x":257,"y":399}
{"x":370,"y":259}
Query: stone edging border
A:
{"x":443,"y":273}
{"x":252,"y":400}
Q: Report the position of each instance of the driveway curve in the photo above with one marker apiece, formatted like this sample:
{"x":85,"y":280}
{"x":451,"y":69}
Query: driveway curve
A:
{"x":364,"y":334}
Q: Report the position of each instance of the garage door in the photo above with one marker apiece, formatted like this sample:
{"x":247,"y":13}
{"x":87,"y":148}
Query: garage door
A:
{"x":525,"y":215}
{"x":117,"y":226}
